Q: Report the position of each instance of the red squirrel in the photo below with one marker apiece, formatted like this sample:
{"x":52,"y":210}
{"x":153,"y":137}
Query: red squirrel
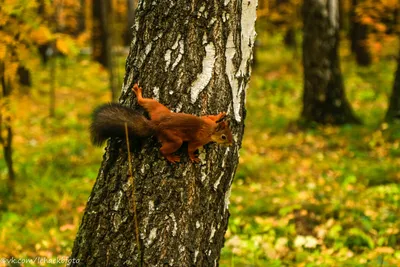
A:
{"x":171,"y":129}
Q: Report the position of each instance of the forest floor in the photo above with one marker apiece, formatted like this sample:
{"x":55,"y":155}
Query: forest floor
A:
{"x":325,"y":196}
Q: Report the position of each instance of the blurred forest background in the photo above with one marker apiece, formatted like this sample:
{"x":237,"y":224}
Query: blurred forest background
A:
{"x":312,"y":189}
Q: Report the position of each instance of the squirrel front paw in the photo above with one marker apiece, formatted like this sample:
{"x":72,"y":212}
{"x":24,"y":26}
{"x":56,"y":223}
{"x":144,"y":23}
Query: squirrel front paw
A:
{"x":137,"y":89}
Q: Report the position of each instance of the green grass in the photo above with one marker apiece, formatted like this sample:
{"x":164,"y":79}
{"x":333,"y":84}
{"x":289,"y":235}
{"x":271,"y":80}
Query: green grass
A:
{"x":327,"y":196}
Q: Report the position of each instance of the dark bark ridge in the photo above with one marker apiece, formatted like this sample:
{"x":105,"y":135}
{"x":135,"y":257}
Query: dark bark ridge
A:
{"x":324,"y":99}
{"x":194,"y":57}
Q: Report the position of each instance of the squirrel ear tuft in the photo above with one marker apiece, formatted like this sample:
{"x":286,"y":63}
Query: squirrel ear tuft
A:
{"x":223,"y":117}
{"x":221,"y":125}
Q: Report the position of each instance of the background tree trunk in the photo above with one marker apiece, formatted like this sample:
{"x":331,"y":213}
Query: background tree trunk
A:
{"x":6,"y":132}
{"x":341,"y":15}
{"x":81,"y":17}
{"x":324,"y":98}
{"x":195,"y":58}
{"x":289,"y":38}
{"x":393,"y":112}
{"x":25,"y":79}
{"x":101,"y":41}
{"x":359,"y":37}
{"x":131,"y":8}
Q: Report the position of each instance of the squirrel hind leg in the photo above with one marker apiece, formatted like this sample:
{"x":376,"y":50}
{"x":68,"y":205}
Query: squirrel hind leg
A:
{"x":155,"y":109}
{"x":192,"y":148}
{"x":168,"y":148}
{"x":170,"y":144}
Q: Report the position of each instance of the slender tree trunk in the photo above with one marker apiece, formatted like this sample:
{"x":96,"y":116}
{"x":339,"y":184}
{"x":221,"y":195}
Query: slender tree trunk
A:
{"x":107,"y":9}
{"x":359,"y":37}
{"x":290,"y":37}
{"x":6,"y":133}
{"x":24,"y":76}
{"x":194,"y":57}
{"x":53,"y":84}
{"x":81,"y":17}
{"x":343,"y":21}
{"x":102,"y":40}
{"x":393,"y":112}
{"x":101,"y":33}
{"x":324,"y":99}
{"x":131,"y":7}
{"x":25,"y":79}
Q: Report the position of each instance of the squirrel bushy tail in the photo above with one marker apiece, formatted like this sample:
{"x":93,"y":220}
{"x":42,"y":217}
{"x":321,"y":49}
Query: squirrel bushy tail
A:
{"x":109,"y":121}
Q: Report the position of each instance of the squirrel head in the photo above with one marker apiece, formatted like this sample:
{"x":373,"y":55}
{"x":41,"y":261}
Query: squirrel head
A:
{"x":222,"y":134}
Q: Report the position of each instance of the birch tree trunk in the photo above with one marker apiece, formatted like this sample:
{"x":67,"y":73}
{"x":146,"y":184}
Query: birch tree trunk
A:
{"x":194,"y":57}
{"x":324,"y":99}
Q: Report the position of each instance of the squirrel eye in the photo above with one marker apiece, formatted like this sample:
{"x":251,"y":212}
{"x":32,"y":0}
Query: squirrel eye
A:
{"x":223,"y":137}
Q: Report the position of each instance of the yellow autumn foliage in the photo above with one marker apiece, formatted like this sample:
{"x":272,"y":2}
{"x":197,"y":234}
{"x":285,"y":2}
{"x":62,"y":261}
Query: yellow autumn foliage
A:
{"x":11,"y":71}
{"x":3,"y":50}
{"x":41,"y":35}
